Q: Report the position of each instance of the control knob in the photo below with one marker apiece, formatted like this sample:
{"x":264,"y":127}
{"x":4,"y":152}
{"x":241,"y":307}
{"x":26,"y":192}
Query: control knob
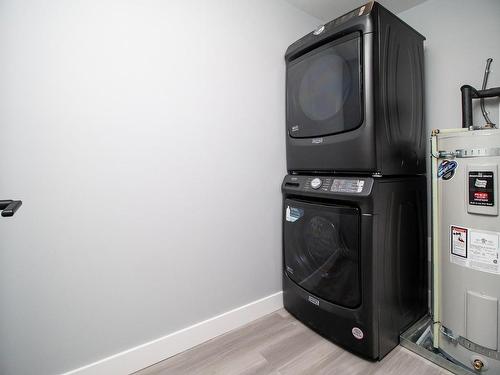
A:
{"x":316,"y":183}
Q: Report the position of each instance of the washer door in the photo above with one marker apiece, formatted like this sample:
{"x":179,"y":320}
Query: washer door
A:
{"x":321,"y":250}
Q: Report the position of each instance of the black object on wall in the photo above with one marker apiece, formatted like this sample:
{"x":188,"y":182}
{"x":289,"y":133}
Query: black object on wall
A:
{"x":9,"y":207}
{"x":355,"y":96}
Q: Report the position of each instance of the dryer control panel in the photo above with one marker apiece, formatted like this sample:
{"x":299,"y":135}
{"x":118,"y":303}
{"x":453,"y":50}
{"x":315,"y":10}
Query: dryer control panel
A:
{"x":344,"y":185}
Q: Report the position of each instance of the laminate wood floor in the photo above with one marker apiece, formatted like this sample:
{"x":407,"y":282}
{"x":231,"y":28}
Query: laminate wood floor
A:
{"x":278,"y":344}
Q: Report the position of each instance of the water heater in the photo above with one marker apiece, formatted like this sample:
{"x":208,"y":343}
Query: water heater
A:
{"x":466,"y":247}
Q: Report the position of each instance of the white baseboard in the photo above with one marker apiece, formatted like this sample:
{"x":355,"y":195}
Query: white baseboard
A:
{"x":164,"y":347}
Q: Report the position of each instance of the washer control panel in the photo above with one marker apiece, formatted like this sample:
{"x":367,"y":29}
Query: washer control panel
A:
{"x":344,"y":185}
{"x":330,"y":185}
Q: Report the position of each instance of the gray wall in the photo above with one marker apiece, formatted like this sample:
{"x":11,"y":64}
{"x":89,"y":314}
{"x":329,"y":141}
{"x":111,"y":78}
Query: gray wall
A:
{"x":455,"y":55}
{"x":461,"y":35}
{"x":146,"y":139}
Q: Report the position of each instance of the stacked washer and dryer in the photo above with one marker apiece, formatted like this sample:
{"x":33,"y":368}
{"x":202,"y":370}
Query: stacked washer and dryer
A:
{"x":354,"y":201}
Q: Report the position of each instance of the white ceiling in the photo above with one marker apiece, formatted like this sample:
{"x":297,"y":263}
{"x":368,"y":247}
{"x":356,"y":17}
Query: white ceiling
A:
{"x":327,"y":10}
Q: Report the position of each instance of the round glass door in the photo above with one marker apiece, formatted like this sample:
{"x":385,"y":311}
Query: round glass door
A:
{"x":324,"y":89}
{"x":316,"y":98}
{"x":321,"y":250}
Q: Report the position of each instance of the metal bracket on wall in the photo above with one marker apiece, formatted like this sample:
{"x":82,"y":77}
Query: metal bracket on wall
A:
{"x":448,"y":334}
{"x":470,"y":153}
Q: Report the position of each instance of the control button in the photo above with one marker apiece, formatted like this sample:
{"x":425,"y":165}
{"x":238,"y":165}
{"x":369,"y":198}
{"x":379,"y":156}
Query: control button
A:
{"x":316,"y":183}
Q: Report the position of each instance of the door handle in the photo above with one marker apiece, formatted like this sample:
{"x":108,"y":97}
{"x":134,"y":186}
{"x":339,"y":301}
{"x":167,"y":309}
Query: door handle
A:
{"x":9,"y":207}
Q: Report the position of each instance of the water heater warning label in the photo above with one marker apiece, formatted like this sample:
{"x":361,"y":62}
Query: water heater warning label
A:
{"x":476,"y":249}
{"x":459,"y":241}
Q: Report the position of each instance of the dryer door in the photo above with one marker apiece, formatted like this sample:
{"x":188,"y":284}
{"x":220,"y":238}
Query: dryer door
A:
{"x":321,"y":250}
{"x":324,"y":89}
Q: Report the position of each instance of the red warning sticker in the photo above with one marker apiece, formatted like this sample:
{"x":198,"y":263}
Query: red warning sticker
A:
{"x":481,"y":196}
{"x":458,"y":241}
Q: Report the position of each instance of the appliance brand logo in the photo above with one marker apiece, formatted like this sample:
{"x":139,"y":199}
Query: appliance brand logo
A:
{"x":319,"y":30}
{"x":357,"y":333}
{"x":313,"y":300}
{"x":295,"y":128}
{"x":480,"y":183}
{"x":317,"y":141}
{"x":447,"y":169}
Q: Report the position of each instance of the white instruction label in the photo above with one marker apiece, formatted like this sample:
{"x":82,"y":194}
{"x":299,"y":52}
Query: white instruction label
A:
{"x":292,"y":214}
{"x":474,"y":248}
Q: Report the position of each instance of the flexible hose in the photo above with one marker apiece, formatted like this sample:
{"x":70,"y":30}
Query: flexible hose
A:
{"x":485,"y":82}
